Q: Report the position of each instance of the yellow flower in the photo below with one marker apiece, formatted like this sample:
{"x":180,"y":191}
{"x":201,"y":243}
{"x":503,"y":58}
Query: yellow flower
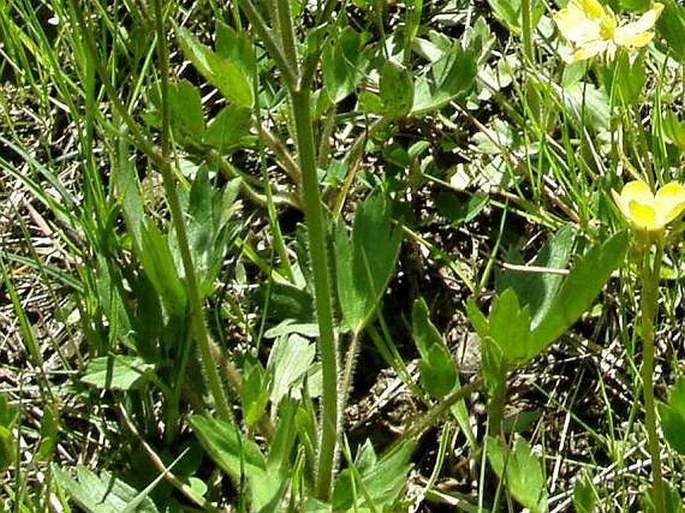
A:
{"x":648,"y":212}
{"x":594,"y":29}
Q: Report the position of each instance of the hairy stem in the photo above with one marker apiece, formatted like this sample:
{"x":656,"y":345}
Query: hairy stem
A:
{"x":197,"y":315}
{"x":322,"y":288}
{"x":648,"y":303}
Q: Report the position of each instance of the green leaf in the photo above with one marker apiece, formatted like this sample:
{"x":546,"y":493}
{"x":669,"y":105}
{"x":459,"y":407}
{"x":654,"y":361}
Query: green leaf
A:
{"x":236,"y":47}
{"x":674,"y":502}
{"x":671,"y":26}
{"x":674,"y":129}
{"x":625,"y":77}
{"x":477,"y":319}
{"x":185,"y":109}
{"x":49,"y":433}
{"x":230,"y":128}
{"x":208,"y":212}
{"x":536,"y":290}
{"x":280,"y":449}
{"x":382,"y":480}
{"x":672,"y":417}
{"x":509,"y":327}
{"x":588,"y":105}
{"x":289,"y":359}
{"x":283,"y":301}
{"x":580,"y":288}
{"x":459,"y":208}
{"x":522,"y":471}
{"x":116,"y":372}
{"x":365,"y":264}
{"x":238,"y":456}
{"x":494,"y":374}
{"x":437,"y":367}
{"x":396,"y":90}
{"x":638,"y":6}
{"x":227,"y":447}
{"x":254,"y":394}
{"x":584,"y":496}
{"x":9,"y":416}
{"x":344,"y":63}
{"x":148,"y":321}
{"x":127,"y":189}
{"x":450,"y":77}
{"x":101,"y":494}
{"x":508,"y":12}
{"x":223,"y":73}
{"x":160,"y":268}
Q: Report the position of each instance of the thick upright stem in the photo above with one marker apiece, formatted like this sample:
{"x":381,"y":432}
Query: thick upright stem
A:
{"x":284,"y":53}
{"x":322,"y":289}
{"x":649,"y":299}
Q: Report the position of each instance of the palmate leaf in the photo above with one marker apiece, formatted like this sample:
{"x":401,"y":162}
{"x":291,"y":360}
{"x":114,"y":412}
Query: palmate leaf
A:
{"x":185,"y":109}
{"x":289,"y":360}
{"x":344,"y":63}
{"x":396,"y":90}
{"x":208,"y":211}
{"x":535,"y":289}
{"x":160,"y":268}
{"x":396,"y":95}
{"x":118,"y":372}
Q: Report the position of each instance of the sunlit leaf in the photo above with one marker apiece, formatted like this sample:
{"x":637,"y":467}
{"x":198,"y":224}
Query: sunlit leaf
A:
{"x":224,"y":74}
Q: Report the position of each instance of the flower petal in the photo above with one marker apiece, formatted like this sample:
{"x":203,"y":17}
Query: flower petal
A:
{"x":592,"y":8}
{"x":639,"y":33}
{"x":648,"y":19}
{"x":643,"y":217}
{"x":575,"y":25}
{"x":670,"y":201}
{"x":637,"y":190}
{"x":587,"y":50}
{"x":627,"y":36}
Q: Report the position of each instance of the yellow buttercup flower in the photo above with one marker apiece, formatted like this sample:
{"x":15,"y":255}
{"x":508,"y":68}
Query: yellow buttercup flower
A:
{"x":648,"y":212}
{"x":594,"y":29}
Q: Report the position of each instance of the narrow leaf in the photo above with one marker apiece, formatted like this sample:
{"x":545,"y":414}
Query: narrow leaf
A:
{"x":580,"y":288}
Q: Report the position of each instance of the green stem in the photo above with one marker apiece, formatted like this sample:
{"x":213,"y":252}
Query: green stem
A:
{"x":270,"y":43}
{"x":527,"y":29}
{"x":197,"y":315}
{"x":648,"y":303}
{"x":431,"y":416}
{"x":284,"y":53}
{"x":322,"y":289}
{"x":288,"y":34}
